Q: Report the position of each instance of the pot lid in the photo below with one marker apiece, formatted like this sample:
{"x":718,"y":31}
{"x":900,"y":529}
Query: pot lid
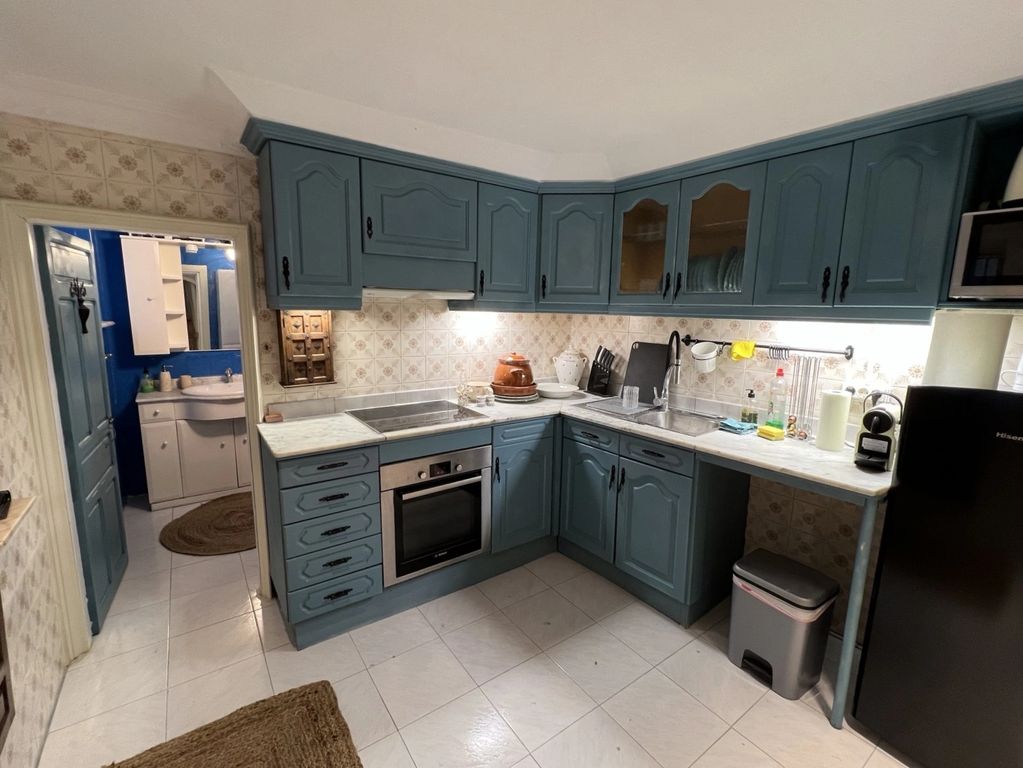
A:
{"x":512,"y":358}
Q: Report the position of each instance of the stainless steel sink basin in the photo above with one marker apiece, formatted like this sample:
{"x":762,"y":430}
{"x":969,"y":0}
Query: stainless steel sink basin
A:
{"x":685,"y":423}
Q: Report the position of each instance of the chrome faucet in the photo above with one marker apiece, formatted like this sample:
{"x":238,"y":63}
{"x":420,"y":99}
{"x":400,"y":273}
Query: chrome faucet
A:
{"x":229,"y":375}
{"x":672,"y":376}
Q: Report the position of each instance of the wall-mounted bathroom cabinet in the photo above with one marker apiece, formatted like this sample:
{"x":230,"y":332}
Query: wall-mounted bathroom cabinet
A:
{"x":156,"y":296}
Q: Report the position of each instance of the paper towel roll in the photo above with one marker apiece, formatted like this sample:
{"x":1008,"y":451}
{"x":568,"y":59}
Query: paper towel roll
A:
{"x":831,"y":431}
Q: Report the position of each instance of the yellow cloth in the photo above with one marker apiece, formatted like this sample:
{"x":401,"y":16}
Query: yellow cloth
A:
{"x":742,"y":350}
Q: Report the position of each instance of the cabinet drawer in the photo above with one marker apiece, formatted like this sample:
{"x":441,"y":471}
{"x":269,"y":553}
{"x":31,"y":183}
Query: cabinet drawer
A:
{"x":327,"y":466}
{"x":323,"y":532}
{"x":657,"y":454}
{"x":330,"y":563}
{"x":591,"y":434}
{"x":156,"y":412}
{"x":334,"y":594}
{"x":520,"y":431}
{"x":309,"y":501}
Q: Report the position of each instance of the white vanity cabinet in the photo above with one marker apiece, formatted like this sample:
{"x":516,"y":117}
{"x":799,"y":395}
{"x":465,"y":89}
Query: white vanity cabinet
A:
{"x":189,"y":460}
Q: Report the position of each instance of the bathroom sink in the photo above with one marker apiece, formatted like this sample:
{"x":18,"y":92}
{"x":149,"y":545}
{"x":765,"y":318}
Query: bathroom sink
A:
{"x":218,"y":390}
{"x":683,"y":422}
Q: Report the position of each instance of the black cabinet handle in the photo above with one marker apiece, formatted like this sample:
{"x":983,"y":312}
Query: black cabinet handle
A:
{"x":611,"y":484}
{"x":369,"y":227}
{"x":590,"y":435}
{"x":678,"y":286}
{"x":655,"y":454}
{"x":335,"y":531}
{"x":825,"y":284}
{"x":621,"y":479}
{"x":334,"y":465}
{"x":543,"y":286}
{"x":336,"y":595}
{"x":497,"y":469}
{"x":339,"y":561}
{"x":333,"y":497}
{"x":286,"y":273}
{"x":844,"y":284}
{"x":482,"y":287}
{"x":667,"y":285}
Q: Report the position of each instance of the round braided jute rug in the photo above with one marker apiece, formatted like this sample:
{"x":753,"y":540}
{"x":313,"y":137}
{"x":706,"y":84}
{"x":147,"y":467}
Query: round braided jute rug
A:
{"x":218,"y":527}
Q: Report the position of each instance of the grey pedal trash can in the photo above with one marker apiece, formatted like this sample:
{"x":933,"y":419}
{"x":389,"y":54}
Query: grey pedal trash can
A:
{"x":781,"y":612}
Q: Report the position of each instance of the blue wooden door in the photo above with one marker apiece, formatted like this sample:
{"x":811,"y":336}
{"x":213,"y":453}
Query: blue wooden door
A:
{"x":575,"y":249}
{"x":645,"y":239}
{"x":901,"y":216}
{"x":588,"y":495}
{"x":508,"y":244}
{"x":311,"y":229}
{"x":80,"y":368}
{"x":801,"y":235}
{"x":654,"y":511}
{"x":521,"y":493}
{"x":417,"y":214}
{"x":718,"y":235}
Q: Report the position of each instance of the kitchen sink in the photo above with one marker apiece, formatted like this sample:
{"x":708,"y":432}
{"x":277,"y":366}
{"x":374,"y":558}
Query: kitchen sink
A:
{"x":683,"y":422}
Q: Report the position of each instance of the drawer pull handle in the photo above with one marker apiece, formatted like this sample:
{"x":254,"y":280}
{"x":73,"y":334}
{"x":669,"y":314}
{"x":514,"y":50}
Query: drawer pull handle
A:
{"x":333,"y":497}
{"x":655,"y":454}
{"x":335,"y":531}
{"x":336,"y":595}
{"x":335,"y":465}
{"x":339,"y":561}
{"x":589,"y":436}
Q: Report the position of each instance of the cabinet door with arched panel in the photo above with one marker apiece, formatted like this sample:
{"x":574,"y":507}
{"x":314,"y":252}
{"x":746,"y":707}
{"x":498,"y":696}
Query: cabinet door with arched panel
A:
{"x":645,"y":239}
{"x":719,"y":230}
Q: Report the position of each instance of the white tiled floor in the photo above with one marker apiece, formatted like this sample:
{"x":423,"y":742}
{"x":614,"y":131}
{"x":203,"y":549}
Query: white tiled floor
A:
{"x":546,"y":666}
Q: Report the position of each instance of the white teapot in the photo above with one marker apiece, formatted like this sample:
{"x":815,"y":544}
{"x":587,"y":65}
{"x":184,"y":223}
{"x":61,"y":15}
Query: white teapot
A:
{"x":569,"y":366}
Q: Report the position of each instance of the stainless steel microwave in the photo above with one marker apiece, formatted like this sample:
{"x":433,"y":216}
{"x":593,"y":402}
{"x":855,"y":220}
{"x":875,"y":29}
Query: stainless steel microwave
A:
{"x":989,"y":256}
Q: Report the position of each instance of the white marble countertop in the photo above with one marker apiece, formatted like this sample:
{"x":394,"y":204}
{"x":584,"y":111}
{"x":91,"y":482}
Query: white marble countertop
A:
{"x":788,"y":457}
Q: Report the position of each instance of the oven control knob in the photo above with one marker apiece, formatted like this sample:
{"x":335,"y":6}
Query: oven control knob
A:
{"x":458,"y":467}
{"x":423,"y":475}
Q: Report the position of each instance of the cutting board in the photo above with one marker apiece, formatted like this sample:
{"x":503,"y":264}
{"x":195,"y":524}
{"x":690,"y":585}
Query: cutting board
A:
{"x":647,"y":364}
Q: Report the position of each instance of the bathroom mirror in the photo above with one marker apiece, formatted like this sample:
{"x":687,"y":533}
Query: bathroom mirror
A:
{"x":211,"y":297}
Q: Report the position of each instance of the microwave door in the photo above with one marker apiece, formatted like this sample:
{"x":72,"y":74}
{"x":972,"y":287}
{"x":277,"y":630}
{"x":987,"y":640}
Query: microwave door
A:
{"x":989,"y":256}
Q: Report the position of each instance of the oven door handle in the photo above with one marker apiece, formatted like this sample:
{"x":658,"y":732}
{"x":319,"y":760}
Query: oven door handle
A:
{"x":438,"y":488}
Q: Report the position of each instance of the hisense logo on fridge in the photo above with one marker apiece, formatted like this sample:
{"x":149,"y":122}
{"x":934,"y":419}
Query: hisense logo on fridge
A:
{"x":1007,"y":436}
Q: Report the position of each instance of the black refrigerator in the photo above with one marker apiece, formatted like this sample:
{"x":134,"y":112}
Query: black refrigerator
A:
{"x":941,"y":675}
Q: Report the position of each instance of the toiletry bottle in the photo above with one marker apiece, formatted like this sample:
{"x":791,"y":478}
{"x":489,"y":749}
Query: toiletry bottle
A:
{"x":147,"y":382}
{"x":749,"y":409}
{"x":166,"y":382}
{"x":777,"y":406}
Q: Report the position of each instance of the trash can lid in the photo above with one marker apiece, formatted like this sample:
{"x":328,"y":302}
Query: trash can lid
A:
{"x":793,"y":582}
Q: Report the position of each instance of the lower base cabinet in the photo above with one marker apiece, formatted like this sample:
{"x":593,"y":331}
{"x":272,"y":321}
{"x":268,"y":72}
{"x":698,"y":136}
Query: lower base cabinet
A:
{"x":521,"y":498}
{"x":588,"y":498}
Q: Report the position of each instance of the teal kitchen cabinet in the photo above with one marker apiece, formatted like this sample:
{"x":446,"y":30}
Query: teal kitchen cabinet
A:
{"x":801,"y":234}
{"x":575,"y":250}
{"x":311,"y":240}
{"x":718,"y":236}
{"x":588,"y":498}
{"x":900,"y":216}
{"x":645,"y":239}
{"x":653,"y":524}
{"x":521,"y":498}
{"x":509,"y":242}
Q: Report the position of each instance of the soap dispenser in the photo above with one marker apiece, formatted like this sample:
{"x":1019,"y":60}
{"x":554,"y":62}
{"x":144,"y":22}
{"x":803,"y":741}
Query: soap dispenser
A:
{"x":166,"y":382}
{"x":147,"y":382}
{"x":749,"y":408}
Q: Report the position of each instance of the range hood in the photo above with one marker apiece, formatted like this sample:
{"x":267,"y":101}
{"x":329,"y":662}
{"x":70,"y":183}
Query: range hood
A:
{"x":397,"y":294}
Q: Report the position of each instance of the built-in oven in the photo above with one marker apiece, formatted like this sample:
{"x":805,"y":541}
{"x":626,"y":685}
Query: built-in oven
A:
{"x":435,"y":511}
{"x":989,"y":256}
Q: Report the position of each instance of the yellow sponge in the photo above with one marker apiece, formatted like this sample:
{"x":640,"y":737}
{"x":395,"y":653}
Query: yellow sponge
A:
{"x":771,"y":433}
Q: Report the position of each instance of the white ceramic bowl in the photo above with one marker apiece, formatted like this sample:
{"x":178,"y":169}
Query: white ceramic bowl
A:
{"x":556,"y":391}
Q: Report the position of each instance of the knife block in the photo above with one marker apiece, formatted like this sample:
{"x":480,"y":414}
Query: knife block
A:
{"x":600,"y":380}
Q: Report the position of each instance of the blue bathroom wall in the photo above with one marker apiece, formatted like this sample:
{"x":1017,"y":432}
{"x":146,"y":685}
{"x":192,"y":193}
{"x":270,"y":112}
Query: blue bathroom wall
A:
{"x":124,"y":367}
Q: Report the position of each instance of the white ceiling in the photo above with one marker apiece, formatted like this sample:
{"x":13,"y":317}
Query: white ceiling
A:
{"x":548,"y":89}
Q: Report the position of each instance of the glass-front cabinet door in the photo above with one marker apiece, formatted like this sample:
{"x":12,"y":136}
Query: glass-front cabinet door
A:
{"x":719,"y":229}
{"x":645,"y":238}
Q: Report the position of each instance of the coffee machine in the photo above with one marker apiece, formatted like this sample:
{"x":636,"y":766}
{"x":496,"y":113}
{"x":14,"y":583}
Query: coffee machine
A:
{"x":878,"y":435}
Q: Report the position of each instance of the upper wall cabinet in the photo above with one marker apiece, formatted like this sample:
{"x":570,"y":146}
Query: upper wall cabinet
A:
{"x":900,"y":216}
{"x":575,"y":249}
{"x":804,"y":207}
{"x":719,"y":230}
{"x":408,"y":212}
{"x":645,"y":233}
{"x":508,"y":243}
{"x":310,"y":228}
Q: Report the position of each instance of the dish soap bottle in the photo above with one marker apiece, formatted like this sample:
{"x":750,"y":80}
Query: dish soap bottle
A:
{"x":776,"y":407}
{"x":749,"y":409}
{"x":147,"y":382}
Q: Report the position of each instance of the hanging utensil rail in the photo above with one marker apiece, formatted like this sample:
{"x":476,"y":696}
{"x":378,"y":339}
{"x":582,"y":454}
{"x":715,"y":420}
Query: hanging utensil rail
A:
{"x":776,"y":351}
